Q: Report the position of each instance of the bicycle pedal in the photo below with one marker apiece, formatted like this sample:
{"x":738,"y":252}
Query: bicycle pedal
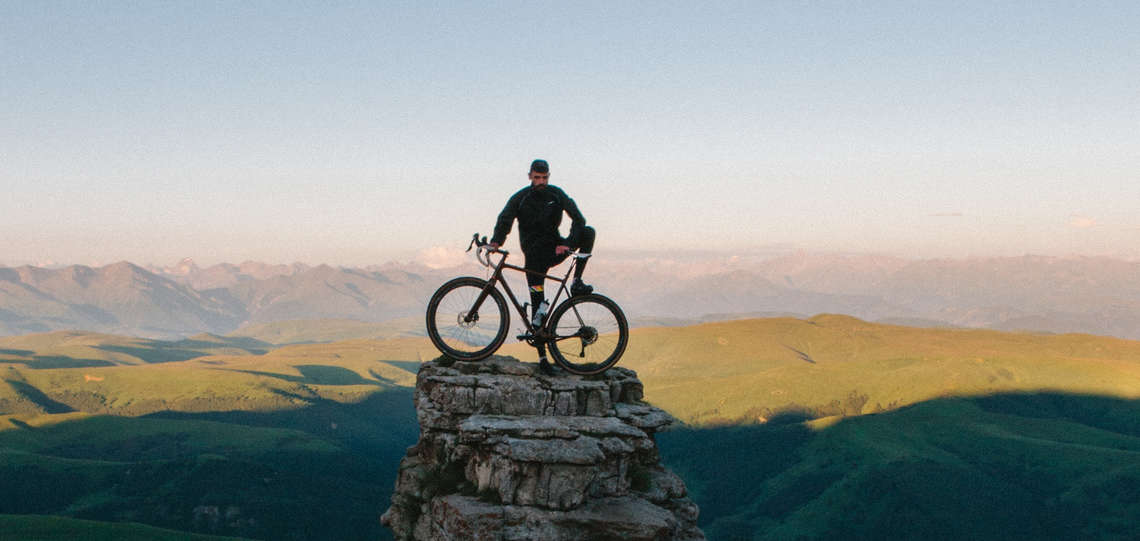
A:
{"x":524,"y":337}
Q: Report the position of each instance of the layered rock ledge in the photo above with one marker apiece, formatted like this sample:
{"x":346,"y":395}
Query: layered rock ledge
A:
{"x":508,"y":453}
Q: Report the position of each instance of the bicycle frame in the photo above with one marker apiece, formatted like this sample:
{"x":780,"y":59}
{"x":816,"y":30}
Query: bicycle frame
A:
{"x":596,"y":321}
{"x":497,"y":277}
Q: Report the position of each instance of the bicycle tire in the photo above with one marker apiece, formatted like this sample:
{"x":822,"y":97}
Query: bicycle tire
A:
{"x":594,"y":325}
{"x":467,"y":340}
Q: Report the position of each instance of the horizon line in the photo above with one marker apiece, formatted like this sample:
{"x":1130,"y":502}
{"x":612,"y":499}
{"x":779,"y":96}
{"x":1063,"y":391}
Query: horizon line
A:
{"x":618,"y":253}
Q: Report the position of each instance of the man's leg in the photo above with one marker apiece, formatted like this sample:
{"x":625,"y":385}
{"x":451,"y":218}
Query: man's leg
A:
{"x":536,"y":281}
{"x":585,"y":248}
{"x":540,"y":265}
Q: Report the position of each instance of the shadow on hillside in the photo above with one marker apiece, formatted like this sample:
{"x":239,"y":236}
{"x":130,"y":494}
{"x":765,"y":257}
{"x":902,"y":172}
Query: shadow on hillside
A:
{"x":1003,"y":467}
{"x":159,"y":353}
{"x":45,"y":362}
{"x":37,"y":397}
{"x":316,"y":374}
{"x":20,"y":424}
{"x":17,"y":352}
{"x":252,"y":345}
{"x":383,"y":424}
{"x":803,"y":356}
{"x":326,"y":478}
{"x":155,"y":352}
{"x":410,"y":366}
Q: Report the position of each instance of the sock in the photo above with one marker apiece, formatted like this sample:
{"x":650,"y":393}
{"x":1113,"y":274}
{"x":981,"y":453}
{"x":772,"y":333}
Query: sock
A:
{"x":580,"y":266}
{"x":536,"y":298}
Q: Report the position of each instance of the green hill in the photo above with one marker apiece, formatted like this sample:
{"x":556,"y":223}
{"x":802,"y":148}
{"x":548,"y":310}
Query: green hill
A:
{"x":1002,"y":467}
{"x":294,"y":443}
{"x":824,"y":428}
{"x":280,"y":379}
{"x":835,"y":428}
{"x":79,"y":349}
{"x":316,"y":472}
{"x":305,"y":331}
{"x":753,"y":370}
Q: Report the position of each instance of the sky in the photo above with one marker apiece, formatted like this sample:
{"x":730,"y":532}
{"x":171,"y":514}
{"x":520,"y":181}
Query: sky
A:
{"x":357,"y":133}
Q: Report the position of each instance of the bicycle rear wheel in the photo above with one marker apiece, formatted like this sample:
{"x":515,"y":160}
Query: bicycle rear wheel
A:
{"x":458,"y":331}
{"x":590,"y":334}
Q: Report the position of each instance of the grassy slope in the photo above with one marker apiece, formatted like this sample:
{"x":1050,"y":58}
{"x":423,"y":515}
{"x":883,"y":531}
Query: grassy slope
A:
{"x":278,"y":436}
{"x":277,"y":475}
{"x":351,"y":401}
{"x":753,"y":369}
{"x":1008,"y":466}
{"x":283,"y":378}
{"x":756,"y":369}
{"x":986,"y":435}
{"x":330,"y":330}
{"x":79,"y":349}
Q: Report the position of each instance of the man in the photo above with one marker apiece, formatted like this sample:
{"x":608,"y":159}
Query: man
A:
{"x":539,"y":209}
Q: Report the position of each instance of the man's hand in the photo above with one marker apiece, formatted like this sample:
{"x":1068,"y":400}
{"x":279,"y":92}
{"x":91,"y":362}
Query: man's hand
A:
{"x":493,"y":245}
{"x":561,"y":249}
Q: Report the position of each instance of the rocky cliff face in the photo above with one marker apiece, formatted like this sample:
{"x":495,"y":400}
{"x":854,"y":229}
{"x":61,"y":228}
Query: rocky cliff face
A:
{"x":507,"y":453}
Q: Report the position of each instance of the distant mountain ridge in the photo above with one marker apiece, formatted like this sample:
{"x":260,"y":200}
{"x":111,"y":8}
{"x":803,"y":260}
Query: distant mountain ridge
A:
{"x":119,"y":298}
{"x":1096,"y":295}
{"x":124,"y":298}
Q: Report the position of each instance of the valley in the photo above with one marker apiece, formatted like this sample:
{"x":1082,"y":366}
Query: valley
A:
{"x":789,"y":425}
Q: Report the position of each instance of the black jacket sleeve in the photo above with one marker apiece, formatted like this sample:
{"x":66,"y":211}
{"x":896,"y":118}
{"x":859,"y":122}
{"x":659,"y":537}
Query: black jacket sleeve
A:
{"x":577,"y":221}
{"x":506,"y":219}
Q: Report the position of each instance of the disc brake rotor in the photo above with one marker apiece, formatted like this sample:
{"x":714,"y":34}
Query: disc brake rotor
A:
{"x":463,"y":322}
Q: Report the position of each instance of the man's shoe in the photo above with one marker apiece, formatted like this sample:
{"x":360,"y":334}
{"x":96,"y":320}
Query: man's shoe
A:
{"x":578,"y":288}
{"x":545,"y":366}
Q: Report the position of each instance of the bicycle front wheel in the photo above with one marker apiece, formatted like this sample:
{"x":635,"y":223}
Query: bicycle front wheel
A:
{"x":460,"y":330}
{"x":590,"y":334}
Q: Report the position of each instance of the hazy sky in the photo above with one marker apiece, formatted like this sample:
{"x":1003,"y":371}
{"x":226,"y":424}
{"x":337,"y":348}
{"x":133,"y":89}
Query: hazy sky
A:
{"x":355,"y":133}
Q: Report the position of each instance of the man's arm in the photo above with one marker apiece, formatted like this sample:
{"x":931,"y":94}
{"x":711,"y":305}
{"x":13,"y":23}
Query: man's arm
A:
{"x":578,"y":222}
{"x":506,"y":221}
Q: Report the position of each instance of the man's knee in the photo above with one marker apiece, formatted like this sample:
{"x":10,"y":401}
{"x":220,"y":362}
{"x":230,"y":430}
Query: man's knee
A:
{"x":536,"y":275}
{"x":586,"y":240}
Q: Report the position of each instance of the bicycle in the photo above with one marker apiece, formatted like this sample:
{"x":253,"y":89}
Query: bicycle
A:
{"x":586,"y":334}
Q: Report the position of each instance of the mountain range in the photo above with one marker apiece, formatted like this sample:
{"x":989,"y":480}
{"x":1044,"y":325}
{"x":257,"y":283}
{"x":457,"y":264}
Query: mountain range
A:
{"x":1096,"y":295}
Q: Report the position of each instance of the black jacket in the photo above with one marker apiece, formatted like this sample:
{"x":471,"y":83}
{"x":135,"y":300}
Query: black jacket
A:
{"x":539,"y":212}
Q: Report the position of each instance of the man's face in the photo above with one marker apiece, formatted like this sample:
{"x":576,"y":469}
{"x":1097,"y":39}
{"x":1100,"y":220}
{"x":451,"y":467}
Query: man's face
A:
{"x":538,"y":180}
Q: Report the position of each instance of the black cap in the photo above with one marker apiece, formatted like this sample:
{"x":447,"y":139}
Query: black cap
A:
{"x":539,"y":166}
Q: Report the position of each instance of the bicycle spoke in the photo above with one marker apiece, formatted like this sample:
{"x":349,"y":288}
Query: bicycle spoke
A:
{"x":459,"y":332}
{"x":590,"y":335}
